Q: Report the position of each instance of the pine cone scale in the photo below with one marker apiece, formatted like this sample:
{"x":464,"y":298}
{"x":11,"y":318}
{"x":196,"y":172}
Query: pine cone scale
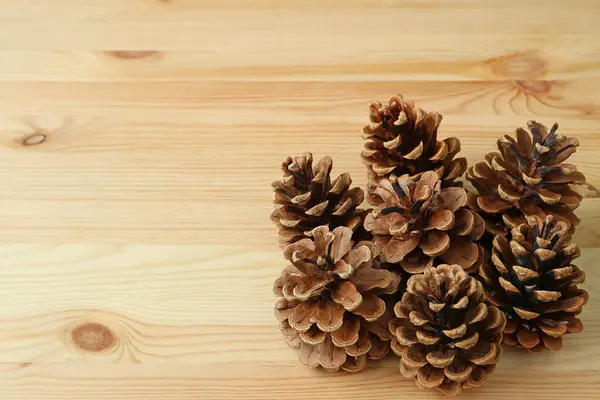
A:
{"x":462,"y":252}
{"x":313,"y":336}
{"x":458,"y":371}
{"x":362,"y":345}
{"x":331,"y":357}
{"x":347,"y":295}
{"x":309,"y":355}
{"x":329,"y":316}
{"x":355,"y":364}
{"x":347,"y":335}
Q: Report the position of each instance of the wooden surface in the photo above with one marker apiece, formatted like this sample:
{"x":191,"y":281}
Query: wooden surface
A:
{"x":139,"y":139}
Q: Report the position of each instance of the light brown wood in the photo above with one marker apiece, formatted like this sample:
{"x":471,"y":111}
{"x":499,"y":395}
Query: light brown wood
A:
{"x":138,"y":142}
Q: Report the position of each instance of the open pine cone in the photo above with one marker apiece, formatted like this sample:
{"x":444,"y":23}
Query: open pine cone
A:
{"x":331,"y":308}
{"x":446,"y":335}
{"x":402,"y":139}
{"x":307,"y":198}
{"x":527,"y":177}
{"x":532,"y":280}
{"x":419,"y":224}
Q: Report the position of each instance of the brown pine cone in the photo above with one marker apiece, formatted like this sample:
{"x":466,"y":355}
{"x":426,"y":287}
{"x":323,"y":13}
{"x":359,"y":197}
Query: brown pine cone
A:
{"x":331,"y":306}
{"x":527,"y":177}
{"x":531,"y":279}
{"x":306,"y":198}
{"x":419,"y":224}
{"x":402,"y":139}
{"x":446,"y":335}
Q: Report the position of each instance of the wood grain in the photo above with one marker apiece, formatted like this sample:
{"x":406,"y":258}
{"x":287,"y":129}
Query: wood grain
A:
{"x":175,"y":304}
{"x":250,"y":381}
{"x":138,"y":140}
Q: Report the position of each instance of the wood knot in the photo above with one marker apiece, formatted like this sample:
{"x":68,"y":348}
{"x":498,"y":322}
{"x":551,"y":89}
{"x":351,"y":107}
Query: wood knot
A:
{"x":34,"y":138}
{"x":93,"y":338}
{"x":131,"y":55}
{"x":520,"y":65}
{"x":534,"y":87}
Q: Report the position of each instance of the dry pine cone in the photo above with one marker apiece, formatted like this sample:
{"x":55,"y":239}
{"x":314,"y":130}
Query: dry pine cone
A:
{"x":419,"y":224}
{"x":331,"y":308}
{"x":528,"y":176}
{"x":306,"y":198}
{"x":402,"y":139}
{"x":532,"y":280}
{"x":446,"y":335}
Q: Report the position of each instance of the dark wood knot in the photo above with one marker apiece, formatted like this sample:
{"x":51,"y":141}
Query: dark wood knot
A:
{"x":34,"y":139}
{"x":93,"y":337}
{"x":131,"y":55}
{"x":518,"y":66}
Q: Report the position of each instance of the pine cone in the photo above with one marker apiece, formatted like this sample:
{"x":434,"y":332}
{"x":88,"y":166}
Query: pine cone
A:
{"x":331,"y":308}
{"x":419,"y":224}
{"x":527,"y":177}
{"x":307,"y":198}
{"x":532,"y":280}
{"x":445,"y":334}
{"x":402,"y":139}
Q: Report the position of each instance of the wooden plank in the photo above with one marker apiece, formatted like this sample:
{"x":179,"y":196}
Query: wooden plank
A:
{"x":247,"y":381}
{"x":192,"y":9}
{"x":139,"y":36}
{"x":312,"y":31}
{"x":172,"y":222}
{"x":135,"y":175}
{"x":191,"y":222}
{"x":312,"y":101}
{"x":200,"y":305}
{"x":420,"y":60}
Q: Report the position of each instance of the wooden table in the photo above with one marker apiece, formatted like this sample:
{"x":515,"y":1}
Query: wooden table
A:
{"x":139,"y":139}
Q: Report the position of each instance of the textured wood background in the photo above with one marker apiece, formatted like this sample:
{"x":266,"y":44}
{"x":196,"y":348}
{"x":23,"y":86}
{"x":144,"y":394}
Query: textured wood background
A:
{"x":138,"y":140}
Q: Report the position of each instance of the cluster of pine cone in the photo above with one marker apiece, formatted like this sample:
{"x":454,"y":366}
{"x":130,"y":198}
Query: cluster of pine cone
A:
{"x":441,"y":275}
